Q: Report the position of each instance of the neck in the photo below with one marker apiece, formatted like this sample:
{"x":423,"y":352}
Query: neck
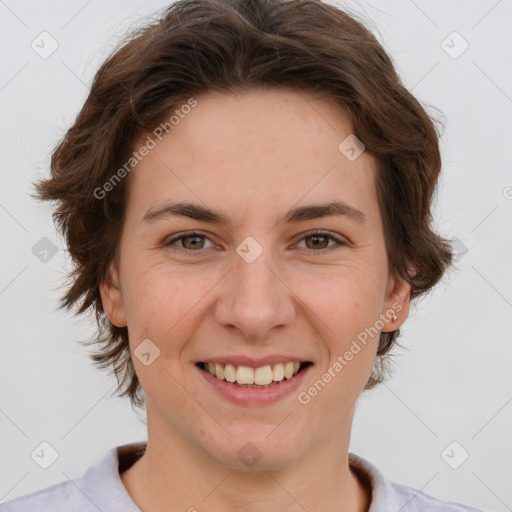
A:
{"x":173,"y":474}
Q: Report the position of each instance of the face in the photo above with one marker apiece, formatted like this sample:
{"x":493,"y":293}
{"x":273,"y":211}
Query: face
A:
{"x":260,"y":288}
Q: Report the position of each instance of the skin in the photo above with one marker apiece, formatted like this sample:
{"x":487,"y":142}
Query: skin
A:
{"x":253,"y":156}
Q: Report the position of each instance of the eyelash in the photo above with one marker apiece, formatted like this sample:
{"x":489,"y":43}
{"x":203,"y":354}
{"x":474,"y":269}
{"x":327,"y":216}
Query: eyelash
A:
{"x":326,"y":234}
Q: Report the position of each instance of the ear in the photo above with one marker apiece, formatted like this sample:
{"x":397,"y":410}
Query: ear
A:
{"x":112,"y":297}
{"x":398,"y":300}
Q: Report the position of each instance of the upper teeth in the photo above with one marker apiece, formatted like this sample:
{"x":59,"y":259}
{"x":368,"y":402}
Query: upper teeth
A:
{"x":263,"y":375}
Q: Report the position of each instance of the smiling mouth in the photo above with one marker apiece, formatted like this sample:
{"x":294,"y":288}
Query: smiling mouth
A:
{"x":247,"y":377}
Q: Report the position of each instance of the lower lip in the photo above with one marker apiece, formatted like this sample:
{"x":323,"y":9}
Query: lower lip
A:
{"x":258,"y":396}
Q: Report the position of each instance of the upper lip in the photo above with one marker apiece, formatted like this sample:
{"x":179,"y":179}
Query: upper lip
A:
{"x":256,"y":362}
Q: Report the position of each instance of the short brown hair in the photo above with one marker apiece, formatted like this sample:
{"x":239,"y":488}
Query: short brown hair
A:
{"x":234,"y":46}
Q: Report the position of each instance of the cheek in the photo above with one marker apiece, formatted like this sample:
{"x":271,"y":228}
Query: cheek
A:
{"x":156,"y":288}
{"x":163,"y":304}
{"x":345,"y":297}
{"x":346,"y":306}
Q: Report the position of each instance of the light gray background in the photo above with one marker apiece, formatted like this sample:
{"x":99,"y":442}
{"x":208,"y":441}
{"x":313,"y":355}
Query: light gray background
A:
{"x":452,"y":384}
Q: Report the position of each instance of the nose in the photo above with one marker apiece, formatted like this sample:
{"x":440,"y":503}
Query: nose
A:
{"x":254,"y":298}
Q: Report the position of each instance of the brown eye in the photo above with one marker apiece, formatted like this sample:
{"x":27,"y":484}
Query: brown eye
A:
{"x":192,"y":242}
{"x":318,"y":241}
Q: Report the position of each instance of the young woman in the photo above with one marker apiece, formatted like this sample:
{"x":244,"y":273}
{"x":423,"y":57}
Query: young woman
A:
{"x":246,"y":196}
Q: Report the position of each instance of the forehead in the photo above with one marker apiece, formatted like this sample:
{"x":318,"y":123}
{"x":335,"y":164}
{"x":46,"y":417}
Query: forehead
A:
{"x":256,"y":150}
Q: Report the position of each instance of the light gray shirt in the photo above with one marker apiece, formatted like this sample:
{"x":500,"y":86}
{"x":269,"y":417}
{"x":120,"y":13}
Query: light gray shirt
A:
{"x":100,"y":488}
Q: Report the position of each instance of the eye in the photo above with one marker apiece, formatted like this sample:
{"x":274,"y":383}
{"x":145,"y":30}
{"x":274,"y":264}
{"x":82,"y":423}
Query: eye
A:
{"x":190,"y":242}
{"x":319,"y":239}
{"x":316,"y":241}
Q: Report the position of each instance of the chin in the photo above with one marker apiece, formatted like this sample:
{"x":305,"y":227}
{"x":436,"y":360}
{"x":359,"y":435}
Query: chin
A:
{"x":251,"y":451}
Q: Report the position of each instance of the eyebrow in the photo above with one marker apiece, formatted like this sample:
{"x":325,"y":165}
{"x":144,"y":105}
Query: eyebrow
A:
{"x":295,"y":215}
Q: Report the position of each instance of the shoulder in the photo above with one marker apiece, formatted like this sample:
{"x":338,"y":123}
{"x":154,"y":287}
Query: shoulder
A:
{"x":99,"y":488}
{"x":387,"y":495}
{"x":414,"y":500}
{"x":61,"y":497}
